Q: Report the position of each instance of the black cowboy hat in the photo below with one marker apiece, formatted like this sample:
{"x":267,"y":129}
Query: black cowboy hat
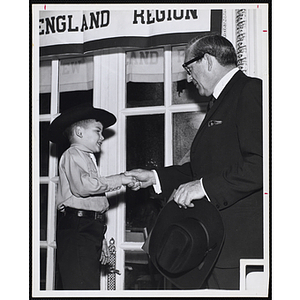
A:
{"x":75,"y":114}
{"x":185,"y":243}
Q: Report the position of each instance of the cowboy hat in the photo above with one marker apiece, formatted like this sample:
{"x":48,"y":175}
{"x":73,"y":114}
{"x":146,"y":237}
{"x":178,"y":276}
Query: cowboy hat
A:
{"x":185,"y":243}
{"x":75,"y":114}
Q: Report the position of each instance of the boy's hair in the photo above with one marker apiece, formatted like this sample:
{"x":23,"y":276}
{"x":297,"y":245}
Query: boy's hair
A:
{"x":69,"y":131}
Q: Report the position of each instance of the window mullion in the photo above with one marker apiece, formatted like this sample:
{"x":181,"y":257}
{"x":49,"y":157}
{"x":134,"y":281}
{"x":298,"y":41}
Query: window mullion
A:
{"x":51,"y":212}
{"x":168,"y":103}
{"x":54,"y":87}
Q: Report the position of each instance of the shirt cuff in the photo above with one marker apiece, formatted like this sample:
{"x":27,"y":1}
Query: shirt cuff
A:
{"x":157,"y":186}
{"x":201,"y":182}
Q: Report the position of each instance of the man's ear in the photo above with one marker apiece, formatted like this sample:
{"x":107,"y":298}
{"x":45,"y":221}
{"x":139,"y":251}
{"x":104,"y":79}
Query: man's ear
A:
{"x":209,"y":60}
{"x":78,"y":131}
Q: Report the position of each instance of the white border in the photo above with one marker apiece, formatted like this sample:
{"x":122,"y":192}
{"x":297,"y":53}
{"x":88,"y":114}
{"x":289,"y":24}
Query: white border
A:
{"x":185,"y":293}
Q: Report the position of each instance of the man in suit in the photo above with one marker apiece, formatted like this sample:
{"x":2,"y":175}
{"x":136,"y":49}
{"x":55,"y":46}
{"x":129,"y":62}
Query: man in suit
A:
{"x":226,"y":163}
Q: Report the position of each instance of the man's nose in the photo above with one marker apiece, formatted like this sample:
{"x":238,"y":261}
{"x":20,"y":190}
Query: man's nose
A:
{"x":189,"y":78}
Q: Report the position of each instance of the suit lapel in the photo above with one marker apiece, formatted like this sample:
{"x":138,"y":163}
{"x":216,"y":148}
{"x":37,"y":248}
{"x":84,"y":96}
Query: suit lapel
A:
{"x":217,"y":103}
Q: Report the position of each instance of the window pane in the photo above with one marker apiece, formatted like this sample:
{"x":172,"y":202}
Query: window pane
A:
{"x":145,"y":148}
{"x":44,"y":149}
{"x":70,"y":99}
{"x":145,"y":141}
{"x":185,"y":126}
{"x":140,"y":274}
{"x":182,"y":91}
{"x":43,"y":211}
{"x":43,"y":260}
{"x":144,"y":94}
{"x":145,"y":78}
{"x":185,"y":92}
{"x":44,"y":103}
{"x":45,"y":76}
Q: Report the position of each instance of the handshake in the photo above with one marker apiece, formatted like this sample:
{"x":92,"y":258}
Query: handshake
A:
{"x":138,"y":178}
{"x":184,"y":195}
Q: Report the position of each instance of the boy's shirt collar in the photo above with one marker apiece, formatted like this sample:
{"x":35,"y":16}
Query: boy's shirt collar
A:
{"x":81,"y":147}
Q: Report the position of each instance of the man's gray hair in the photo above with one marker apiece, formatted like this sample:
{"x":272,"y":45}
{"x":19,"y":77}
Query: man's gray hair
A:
{"x":215,"y":45}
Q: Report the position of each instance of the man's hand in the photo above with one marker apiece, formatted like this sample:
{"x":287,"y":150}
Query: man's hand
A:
{"x":188,"y":192}
{"x":144,"y":178}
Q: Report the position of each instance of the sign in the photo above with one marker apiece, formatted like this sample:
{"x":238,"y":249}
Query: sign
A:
{"x":84,"y":31}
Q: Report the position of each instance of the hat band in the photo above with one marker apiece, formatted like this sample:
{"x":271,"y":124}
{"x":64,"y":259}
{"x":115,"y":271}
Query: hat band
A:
{"x":209,"y":249}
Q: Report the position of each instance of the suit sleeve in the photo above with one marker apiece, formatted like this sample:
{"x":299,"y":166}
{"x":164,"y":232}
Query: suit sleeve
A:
{"x":173,"y":176}
{"x":245,"y":177}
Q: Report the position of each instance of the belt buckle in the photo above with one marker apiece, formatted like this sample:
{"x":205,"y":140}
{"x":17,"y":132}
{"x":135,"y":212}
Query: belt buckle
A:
{"x":80,"y":213}
{"x":98,"y":215}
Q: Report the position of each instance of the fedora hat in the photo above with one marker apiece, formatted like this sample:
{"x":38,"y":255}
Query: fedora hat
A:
{"x":185,"y":243}
{"x":75,"y":114}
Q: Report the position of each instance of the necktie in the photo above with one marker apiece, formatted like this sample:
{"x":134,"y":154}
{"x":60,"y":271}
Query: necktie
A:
{"x":92,"y":156}
{"x":211,"y":103}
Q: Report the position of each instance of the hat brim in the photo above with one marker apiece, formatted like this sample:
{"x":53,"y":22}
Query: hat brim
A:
{"x":205,"y":212}
{"x":78,"y":113}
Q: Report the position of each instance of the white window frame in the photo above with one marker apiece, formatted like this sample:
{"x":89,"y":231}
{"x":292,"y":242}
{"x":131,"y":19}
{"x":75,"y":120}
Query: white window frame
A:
{"x":51,"y":181}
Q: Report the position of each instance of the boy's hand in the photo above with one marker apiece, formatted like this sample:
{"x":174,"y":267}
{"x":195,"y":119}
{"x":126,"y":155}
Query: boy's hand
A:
{"x":104,"y":258}
{"x":144,"y":178}
{"x":128,"y":180}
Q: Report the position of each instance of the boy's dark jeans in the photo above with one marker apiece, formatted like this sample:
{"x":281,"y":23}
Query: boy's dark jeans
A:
{"x":79,"y":245}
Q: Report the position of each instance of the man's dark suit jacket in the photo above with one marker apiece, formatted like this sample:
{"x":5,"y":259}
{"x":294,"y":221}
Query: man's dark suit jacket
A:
{"x":227,"y":154}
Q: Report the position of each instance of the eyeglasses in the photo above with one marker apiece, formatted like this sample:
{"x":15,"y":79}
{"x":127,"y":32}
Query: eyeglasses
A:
{"x":185,"y":65}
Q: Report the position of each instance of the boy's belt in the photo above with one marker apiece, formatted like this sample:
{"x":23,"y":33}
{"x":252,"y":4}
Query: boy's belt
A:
{"x":81,"y":213}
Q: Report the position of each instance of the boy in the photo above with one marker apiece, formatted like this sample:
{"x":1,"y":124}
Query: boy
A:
{"x":80,"y":196}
